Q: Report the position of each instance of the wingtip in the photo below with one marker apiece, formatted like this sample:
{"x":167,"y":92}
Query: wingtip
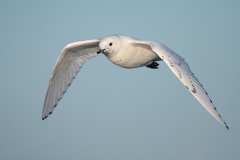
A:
{"x":227,"y":127}
{"x":43,"y":118}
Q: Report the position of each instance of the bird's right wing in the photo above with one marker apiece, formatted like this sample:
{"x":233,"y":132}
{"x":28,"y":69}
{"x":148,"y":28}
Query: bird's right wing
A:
{"x":182,"y":71}
{"x":65,"y":70}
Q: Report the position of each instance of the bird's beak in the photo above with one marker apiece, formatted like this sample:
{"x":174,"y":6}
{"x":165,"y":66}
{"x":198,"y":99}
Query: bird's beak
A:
{"x":100,"y":51}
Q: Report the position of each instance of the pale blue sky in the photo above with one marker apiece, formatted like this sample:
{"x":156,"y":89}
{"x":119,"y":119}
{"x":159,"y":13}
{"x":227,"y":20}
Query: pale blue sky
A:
{"x":111,"y":113}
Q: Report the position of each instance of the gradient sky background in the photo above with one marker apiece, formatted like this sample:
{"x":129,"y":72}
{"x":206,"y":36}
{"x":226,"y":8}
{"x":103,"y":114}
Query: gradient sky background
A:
{"x":111,"y":113}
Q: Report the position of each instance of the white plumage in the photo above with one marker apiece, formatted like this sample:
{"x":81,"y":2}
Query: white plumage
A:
{"x":126,"y":52}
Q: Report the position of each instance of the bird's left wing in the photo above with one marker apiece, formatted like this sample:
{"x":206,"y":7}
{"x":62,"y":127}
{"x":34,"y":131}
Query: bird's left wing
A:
{"x":65,"y":70}
{"x":181,"y":69}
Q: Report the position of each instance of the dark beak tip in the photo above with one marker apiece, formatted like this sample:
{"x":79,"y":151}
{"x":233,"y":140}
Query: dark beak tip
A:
{"x":99,"y":51}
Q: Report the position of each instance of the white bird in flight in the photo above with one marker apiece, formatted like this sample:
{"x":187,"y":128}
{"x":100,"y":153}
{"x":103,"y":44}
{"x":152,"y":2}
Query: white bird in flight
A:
{"x":125,"y":52}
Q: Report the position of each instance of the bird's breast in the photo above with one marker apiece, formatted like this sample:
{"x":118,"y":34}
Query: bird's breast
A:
{"x":133,"y":57}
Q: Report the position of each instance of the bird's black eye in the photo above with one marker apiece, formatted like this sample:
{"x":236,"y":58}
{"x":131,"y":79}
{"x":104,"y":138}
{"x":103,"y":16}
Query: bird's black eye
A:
{"x":110,"y":44}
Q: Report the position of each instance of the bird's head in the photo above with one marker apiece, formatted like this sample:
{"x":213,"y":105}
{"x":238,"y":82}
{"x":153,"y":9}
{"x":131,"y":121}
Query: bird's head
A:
{"x":109,"y":45}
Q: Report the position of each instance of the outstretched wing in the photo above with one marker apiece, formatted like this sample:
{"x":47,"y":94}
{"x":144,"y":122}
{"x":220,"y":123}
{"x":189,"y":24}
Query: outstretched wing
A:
{"x":181,"y":69}
{"x":65,"y":70}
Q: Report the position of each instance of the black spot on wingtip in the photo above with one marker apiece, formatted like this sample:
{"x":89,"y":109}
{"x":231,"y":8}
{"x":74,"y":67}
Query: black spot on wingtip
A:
{"x":59,"y":98}
{"x":226,"y":126}
{"x":43,"y":118}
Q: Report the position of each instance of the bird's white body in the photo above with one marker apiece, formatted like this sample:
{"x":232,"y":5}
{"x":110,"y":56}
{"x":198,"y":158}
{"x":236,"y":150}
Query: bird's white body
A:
{"x":125,"y":52}
{"x":129,"y":55}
